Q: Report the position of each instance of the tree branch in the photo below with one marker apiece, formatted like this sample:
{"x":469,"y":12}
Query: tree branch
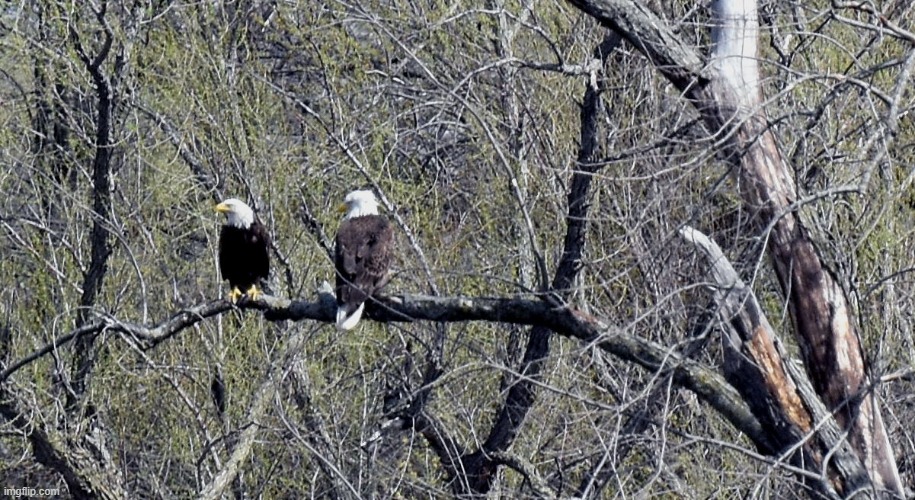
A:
{"x":100,"y":237}
{"x":245,"y":442}
{"x":85,"y":477}
{"x":728,"y":96}
{"x":638,"y":25}
{"x":782,"y":398}
{"x":521,"y":394}
{"x":563,"y":320}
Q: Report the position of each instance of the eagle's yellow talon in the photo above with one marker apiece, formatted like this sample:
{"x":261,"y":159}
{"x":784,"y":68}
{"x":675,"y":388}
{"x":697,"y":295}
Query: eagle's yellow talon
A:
{"x":252,"y":292}
{"x":234,"y":295}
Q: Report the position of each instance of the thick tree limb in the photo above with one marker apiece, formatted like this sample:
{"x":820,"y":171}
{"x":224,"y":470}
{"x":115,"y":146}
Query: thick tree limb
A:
{"x":407,"y":308}
{"x":782,"y":398}
{"x":824,"y":326}
{"x":101,"y":166}
{"x":679,"y":62}
{"x":562,"y":320}
{"x":527,"y":469}
{"x":479,"y":465}
{"x":100,"y":238}
{"x":83,"y":460}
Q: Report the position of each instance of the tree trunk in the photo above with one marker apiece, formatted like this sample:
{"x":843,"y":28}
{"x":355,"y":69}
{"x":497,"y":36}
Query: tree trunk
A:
{"x":727,"y":93}
{"x":818,"y":305}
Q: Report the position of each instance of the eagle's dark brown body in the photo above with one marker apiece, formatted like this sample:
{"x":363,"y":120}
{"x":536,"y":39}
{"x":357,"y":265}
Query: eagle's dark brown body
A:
{"x":243,"y":255}
{"x":362,"y":256}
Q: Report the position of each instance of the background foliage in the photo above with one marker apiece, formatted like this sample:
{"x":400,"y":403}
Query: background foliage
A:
{"x":463,"y":116}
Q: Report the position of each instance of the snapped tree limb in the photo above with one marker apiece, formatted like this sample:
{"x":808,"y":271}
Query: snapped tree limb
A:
{"x":781,"y":397}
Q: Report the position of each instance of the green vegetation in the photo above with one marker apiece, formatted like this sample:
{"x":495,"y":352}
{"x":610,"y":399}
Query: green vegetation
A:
{"x":439,"y":106}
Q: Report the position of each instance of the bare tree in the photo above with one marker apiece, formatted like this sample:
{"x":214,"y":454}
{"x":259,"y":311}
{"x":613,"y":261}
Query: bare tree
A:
{"x":727,"y":93}
{"x":586,"y":201}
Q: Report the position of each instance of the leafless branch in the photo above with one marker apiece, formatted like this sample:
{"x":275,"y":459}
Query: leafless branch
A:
{"x":256,"y":412}
{"x":562,"y":320}
{"x":888,"y":26}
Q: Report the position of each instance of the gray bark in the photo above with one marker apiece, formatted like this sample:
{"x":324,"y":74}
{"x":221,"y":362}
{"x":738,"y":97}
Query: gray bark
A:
{"x":726,"y":93}
{"x":566,"y":321}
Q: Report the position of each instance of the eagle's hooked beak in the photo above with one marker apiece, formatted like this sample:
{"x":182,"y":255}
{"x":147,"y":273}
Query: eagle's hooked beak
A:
{"x":222,"y":208}
{"x":343,"y":208}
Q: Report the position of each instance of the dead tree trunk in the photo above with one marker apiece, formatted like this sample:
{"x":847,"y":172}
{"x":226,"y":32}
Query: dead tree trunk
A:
{"x":726,"y":92}
{"x":819,"y":308}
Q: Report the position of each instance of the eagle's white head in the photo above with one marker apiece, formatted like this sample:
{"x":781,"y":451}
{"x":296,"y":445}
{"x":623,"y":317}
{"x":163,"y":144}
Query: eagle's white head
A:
{"x":238,"y":213}
{"x":359,"y":203}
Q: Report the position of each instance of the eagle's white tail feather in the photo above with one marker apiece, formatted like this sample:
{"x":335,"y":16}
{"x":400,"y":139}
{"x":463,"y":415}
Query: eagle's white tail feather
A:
{"x":345,"y":322}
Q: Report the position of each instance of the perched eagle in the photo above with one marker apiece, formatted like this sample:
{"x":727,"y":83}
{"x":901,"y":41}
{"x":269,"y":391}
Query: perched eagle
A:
{"x":243,"y":243}
{"x":362,"y":255}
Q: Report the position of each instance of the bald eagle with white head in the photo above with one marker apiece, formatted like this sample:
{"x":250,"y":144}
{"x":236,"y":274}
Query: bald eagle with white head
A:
{"x":362,"y":256}
{"x":244,"y":260}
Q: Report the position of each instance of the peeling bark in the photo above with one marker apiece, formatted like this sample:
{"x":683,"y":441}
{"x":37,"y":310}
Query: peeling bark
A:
{"x":783,"y":399}
{"x":726,"y":92}
{"x":816,"y":300}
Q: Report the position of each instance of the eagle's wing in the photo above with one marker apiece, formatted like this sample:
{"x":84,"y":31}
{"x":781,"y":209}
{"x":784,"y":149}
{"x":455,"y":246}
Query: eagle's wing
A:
{"x":260,"y":241}
{"x":362,"y":256}
{"x":377,"y":256}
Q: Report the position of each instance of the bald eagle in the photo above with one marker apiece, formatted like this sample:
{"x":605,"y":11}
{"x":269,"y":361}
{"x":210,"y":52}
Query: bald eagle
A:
{"x":362,"y":256}
{"x":243,"y":243}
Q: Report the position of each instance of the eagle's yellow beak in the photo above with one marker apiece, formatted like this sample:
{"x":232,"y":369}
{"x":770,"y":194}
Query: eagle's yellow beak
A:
{"x":222,"y":208}
{"x":342,"y":208}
